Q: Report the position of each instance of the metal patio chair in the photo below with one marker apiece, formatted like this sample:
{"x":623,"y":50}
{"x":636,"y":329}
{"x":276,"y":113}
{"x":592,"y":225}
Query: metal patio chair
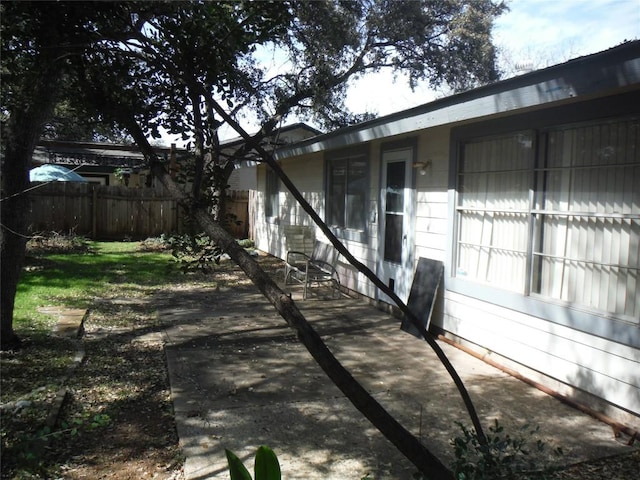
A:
{"x":317,"y":268}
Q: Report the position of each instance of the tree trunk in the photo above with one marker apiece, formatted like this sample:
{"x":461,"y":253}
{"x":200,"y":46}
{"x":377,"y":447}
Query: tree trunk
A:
{"x":405,"y":441}
{"x":33,"y":105}
{"x":15,"y":207}
{"x":23,"y":133}
{"x":223,"y":174}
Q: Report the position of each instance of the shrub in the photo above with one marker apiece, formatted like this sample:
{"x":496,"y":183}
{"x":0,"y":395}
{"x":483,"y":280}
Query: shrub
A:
{"x":504,"y":456}
{"x":55,"y":242}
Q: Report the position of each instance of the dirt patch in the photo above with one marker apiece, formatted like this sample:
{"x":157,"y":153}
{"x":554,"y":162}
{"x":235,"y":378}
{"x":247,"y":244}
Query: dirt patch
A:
{"x":140,"y":444}
{"x":123,"y":381}
{"x":621,"y":467}
{"x":116,"y":420}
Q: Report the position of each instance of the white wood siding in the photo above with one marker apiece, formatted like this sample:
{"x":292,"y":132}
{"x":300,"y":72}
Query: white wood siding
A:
{"x":432,"y":197}
{"x":267,"y":237}
{"x":598,"y":366}
{"x":307,"y":174}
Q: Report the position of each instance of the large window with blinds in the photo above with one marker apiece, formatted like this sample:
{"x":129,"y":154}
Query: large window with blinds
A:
{"x":347,"y":184}
{"x":494,"y":182}
{"x":554,"y":214}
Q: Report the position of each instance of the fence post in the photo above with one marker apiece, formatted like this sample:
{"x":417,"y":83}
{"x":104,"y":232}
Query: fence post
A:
{"x":94,"y":212}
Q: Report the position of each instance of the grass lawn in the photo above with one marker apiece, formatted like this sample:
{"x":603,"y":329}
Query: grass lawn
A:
{"x":75,"y":279}
{"x":118,"y":377}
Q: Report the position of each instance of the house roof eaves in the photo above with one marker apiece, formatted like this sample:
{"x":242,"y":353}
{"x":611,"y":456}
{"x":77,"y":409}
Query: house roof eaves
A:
{"x":582,"y":77}
{"x":105,"y":147}
{"x":238,"y":141}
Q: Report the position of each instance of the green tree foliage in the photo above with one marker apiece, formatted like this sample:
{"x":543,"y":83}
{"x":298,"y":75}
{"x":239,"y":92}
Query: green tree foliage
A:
{"x":38,"y":41}
{"x":189,"y":67}
{"x":443,"y":42}
{"x":70,"y":121}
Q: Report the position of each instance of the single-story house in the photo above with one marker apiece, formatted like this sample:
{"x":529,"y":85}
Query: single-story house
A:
{"x":118,"y":164}
{"x":527,"y":191}
{"x":100,"y":162}
{"x":243,"y":178}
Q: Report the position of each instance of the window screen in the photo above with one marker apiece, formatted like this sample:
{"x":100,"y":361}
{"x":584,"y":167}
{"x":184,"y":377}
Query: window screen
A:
{"x":561,"y":221}
{"x":346,"y":192}
{"x":587,"y":218}
{"x":272,"y":194}
{"x":493,"y":209}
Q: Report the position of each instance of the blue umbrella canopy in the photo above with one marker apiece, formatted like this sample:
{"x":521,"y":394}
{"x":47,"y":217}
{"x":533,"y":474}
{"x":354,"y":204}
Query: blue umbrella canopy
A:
{"x":54,"y":173}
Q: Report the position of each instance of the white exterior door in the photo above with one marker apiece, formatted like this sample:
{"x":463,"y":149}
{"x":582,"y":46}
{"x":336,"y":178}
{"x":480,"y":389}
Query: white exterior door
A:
{"x":397,"y":222}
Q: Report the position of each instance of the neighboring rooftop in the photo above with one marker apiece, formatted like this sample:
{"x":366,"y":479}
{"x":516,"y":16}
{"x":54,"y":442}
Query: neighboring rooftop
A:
{"x":92,"y":154}
{"x":118,"y":155}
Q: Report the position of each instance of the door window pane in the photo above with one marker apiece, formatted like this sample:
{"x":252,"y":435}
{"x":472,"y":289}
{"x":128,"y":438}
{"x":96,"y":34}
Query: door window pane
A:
{"x":395,"y":187}
{"x":393,"y":235}
{"x":394,"y":211}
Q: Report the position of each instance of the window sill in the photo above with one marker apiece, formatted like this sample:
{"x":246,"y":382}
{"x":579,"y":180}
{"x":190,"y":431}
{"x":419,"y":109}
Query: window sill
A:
{"x":359,"y":236}
{"x":594,"y":323}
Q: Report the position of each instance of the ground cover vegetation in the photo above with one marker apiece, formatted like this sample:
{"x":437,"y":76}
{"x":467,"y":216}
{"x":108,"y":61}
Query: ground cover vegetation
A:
{"x":116,"y":419}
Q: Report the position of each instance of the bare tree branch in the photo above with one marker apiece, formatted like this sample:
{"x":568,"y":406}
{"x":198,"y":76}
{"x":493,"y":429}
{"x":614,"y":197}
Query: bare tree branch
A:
{"x":270,"y":160}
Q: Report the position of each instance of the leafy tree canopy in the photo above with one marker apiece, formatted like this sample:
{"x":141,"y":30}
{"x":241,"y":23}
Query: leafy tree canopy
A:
{"x":191,"y":66}
{"x":184,"y":57}
{"x":71,"y":122}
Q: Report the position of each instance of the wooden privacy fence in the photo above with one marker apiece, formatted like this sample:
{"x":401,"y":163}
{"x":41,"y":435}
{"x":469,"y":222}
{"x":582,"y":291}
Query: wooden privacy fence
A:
{"x":103,"y":212}
{"x":106,"y":212}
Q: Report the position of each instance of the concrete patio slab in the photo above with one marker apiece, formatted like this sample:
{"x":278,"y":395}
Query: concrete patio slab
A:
{"x":240,"y":379}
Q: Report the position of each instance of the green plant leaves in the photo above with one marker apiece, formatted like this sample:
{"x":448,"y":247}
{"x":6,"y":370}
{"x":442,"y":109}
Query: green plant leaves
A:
{"x":236,"y":467}
{"x":266,"y":465}
{"x":504,"y":456}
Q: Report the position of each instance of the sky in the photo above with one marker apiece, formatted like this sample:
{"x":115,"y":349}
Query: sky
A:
{"x":536,"y":32}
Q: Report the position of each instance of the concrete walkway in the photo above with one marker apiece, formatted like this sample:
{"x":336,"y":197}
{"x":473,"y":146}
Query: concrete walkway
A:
{"x":240,"y":379}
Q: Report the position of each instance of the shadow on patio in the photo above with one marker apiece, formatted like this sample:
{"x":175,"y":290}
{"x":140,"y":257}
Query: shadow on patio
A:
{"x":240,"y":379}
